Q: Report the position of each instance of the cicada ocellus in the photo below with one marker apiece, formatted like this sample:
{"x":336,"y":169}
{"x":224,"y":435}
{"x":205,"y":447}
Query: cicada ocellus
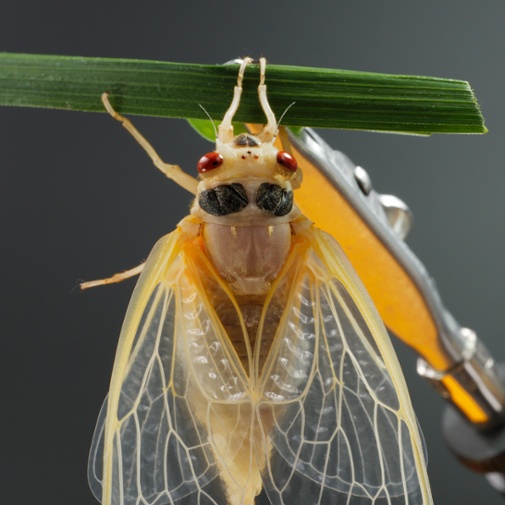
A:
{"x":252,"y":366}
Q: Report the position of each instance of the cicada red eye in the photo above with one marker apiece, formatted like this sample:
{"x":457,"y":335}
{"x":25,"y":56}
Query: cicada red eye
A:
{"x":287,"y":161}
{"x":209,"y":162}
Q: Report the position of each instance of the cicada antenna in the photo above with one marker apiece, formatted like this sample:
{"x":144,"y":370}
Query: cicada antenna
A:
{"x":283,"y":114}
{"x":210,"y":119}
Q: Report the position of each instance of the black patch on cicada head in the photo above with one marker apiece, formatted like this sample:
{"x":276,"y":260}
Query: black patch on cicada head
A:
{"x":245,"y":140}
{"x":273,"y":199}
{"x":223,"y":200}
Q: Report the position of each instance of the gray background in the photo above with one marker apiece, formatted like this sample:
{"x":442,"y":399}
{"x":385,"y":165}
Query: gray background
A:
{"x":78,"y":199}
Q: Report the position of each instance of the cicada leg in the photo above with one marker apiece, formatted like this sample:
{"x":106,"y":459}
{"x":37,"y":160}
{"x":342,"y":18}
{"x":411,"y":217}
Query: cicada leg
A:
{"x":119,"y":277}
{"x":225,"y":129}
{"x":173,"y":172}
{"x":269,"y":131}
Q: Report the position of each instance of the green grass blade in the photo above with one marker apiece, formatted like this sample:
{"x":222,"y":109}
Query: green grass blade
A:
{"x":323,"y":98}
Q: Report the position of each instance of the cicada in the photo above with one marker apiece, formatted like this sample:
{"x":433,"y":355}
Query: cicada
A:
{"x":252,"y":367}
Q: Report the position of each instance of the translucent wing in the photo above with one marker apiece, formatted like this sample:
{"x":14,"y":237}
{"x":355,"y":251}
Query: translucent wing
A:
{"x":335,"y":412}
{"x":324,"y":420}
{"x":178,"y":406}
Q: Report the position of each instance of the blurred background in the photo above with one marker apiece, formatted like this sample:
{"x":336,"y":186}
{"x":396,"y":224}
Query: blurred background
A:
{"x":80,"y":200}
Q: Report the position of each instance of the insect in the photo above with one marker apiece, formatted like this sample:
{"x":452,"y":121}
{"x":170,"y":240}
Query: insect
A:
{"x":252,"y":367}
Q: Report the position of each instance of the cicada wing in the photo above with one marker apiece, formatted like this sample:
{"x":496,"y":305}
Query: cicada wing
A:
{"x":155,"y":442}
{"x":336,"y":416}
{"x":95,"y":463}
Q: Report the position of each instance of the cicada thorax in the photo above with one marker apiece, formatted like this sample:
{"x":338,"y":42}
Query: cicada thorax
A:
{"x":245,"y":203}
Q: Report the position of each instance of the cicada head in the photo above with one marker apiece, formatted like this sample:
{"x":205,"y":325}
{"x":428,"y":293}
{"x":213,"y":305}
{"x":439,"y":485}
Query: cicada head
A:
{"x":244,"y":156}
{"x":247,"y":167}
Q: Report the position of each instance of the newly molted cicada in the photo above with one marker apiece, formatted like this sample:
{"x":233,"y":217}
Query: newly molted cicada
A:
{"x":252,"y":366}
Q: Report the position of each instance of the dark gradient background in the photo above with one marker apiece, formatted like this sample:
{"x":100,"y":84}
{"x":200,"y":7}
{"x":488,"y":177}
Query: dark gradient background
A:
{"x":80,"y":200}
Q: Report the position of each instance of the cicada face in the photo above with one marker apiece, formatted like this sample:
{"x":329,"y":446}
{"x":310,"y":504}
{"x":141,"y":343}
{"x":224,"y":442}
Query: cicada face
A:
{"x":252,"y":367}
{"x":248,"y":181}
